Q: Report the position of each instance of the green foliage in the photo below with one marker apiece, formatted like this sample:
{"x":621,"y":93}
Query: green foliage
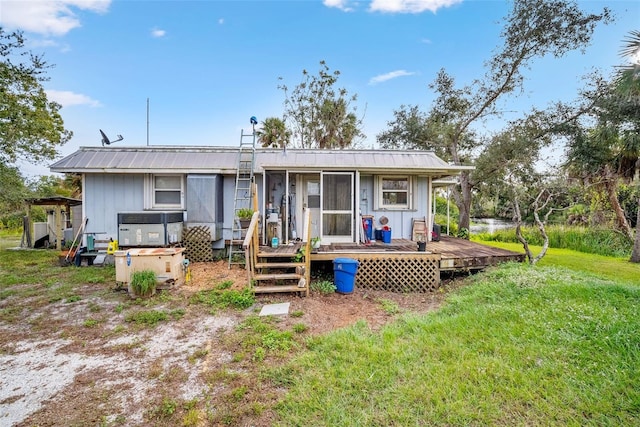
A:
{"x":606,"y":267}
{"x":323,"y":286}
{"x":441,"y":207}
{"x":32,"y":126}
{"x":244,"y":213}
{"x":12,"y":196}
{"x":274,"y":133}
{"x":593,"y":240}
{"x":531,"y":30}
{"x":178,"y":313}
{"x":463,"y":233}
{"x":442,"y":221}
{"x":143,"y":282}
{"x":521,"y":345}
{"x":90,"y":323}
{"x":299,"y":328}
{"x":223,"y":298}
{"x":147,"y":317}
{"x":390,"y":307}
{"x":318,"y":114}
{"x":259,"y":337}
{"x":299,"y":256}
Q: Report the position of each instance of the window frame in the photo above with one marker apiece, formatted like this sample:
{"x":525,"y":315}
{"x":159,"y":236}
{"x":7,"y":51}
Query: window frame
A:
{"x":380,"y":191}
{"x":151,"y":192}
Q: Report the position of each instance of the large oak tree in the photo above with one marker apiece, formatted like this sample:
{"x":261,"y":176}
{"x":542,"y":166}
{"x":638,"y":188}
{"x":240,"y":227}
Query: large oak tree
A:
{"x":532,"y":29}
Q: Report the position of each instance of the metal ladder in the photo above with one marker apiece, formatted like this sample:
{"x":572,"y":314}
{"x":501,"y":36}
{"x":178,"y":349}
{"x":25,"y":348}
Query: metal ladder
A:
{"x":242,"y":197}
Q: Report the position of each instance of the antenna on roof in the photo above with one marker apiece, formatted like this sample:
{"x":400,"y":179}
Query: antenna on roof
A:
{"x":107,"y":141}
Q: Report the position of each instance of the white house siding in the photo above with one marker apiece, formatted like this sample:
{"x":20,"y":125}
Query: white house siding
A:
{"x":105,"y":195}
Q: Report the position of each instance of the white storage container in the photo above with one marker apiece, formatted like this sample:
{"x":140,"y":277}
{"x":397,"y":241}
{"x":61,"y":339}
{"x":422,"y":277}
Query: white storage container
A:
{"x":167,"y":263}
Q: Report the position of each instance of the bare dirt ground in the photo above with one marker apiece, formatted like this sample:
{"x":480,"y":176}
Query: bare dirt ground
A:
{"x":83,"y":361}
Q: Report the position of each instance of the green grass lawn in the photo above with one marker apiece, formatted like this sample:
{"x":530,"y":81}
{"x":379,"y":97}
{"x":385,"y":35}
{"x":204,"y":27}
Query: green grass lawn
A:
{"x":518,"y":345}
{"x":619,"y":269}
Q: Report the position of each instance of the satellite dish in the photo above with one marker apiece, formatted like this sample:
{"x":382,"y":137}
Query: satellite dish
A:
{"x":107,"y":141}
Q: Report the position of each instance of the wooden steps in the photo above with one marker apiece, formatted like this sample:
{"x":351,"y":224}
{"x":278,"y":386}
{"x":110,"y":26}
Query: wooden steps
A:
{"x":278,"y":288}
{"x":261,"y":265}
{"x":277,"y":276}
{"x":274,"y":269}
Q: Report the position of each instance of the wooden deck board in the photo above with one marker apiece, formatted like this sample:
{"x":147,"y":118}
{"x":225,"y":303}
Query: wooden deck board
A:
{"x":456,"y":254}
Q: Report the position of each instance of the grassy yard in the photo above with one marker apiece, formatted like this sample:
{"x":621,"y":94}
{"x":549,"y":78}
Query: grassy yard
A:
{"x":555,"y":344}
{"x":619,"y":269}
{"x":516,"y":346}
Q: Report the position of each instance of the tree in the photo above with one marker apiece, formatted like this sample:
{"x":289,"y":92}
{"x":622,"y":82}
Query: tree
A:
{"x":533,"y":29}
{"x":30,"y":125}
{"x":13,"y":191}
{"x":318,"y":114}
{"x":274,"y":133}
{"x":605,"y":150}
{"x":629,"y":86}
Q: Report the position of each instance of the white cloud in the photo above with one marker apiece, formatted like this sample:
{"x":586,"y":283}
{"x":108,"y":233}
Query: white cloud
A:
{"x":410,"y":6}
{"x":221,"y":21}
{"x":69,"y":99}
{"x":389,"y":76}
{"x":158,"y":33}
{"x":338,"y":4}
{"x":47,"y":16}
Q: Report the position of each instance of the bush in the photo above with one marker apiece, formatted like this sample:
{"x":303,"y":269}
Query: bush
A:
{"x":323,"y":286}
{"x":143,"y":282}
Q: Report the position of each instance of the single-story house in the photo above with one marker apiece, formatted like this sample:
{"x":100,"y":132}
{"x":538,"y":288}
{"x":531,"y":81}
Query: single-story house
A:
{"x":143,"y":196}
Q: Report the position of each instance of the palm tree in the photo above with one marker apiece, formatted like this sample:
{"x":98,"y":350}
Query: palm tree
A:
{"x":274,"y":133}
{"x":629,"y":74}
{"x":628,"y":83}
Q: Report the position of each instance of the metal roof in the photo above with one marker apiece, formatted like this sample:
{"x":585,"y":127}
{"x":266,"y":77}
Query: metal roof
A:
{"x":224,"y":160}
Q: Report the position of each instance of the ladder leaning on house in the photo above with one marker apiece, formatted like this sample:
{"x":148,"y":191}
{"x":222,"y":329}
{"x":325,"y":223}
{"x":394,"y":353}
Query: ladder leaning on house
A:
{"x":244,"y":196}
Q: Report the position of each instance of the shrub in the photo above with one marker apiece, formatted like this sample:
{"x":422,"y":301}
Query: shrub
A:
{"x":143,"y":282}
{"x":323,"y":286}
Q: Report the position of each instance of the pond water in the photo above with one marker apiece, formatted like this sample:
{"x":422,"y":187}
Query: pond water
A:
{"x":489,"y":225}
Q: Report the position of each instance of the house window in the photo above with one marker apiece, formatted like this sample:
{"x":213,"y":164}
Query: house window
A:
{"x":166,"y":191}
{"x":394,"y":192}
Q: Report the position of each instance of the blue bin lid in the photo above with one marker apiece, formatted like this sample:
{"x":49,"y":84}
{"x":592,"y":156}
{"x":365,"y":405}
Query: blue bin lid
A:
{"x":345,"y":261}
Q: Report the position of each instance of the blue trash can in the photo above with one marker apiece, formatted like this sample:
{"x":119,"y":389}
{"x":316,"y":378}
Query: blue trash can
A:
{"x":344,"y":274}
{"x":386,"y":236}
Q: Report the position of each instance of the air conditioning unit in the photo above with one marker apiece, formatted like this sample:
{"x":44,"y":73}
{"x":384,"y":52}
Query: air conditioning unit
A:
{"x":149,"y":228}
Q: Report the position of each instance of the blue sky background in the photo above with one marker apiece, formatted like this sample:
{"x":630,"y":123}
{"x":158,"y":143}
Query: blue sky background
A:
{"x":207,"y":66}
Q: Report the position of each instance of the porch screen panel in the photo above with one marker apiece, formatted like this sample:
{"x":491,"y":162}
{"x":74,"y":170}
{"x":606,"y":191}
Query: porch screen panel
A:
{"x":337,"y":204}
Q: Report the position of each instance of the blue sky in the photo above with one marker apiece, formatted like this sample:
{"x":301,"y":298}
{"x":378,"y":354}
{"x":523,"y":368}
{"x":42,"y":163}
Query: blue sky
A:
{"x":207,"y":66}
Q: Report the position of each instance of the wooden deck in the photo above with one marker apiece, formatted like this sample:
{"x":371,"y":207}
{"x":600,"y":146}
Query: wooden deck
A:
{"x":455,"y":254}
{"x":398,"y":266}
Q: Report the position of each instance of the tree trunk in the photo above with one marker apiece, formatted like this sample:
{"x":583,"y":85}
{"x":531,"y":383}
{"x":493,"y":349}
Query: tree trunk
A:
{"x":541,"y":224}
{"x":464,"y":203}
{"x":517,"y":218}
{"x":635,"y":254}
{"x":611,"y":185}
